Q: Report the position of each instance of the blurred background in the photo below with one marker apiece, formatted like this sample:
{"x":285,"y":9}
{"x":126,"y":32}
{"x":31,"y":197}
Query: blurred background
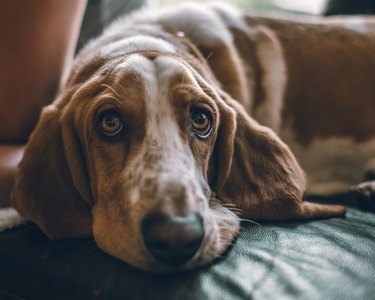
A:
{"x":40,"y":37}
{"x":104,"y":11}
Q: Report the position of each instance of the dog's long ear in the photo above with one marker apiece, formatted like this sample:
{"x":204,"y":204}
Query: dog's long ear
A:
{"x":51,"y":186}
{"x":257,"y":172}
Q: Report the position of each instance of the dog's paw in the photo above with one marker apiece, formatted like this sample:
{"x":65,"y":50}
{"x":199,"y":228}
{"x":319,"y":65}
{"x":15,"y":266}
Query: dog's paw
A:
{"x":364,"y":195}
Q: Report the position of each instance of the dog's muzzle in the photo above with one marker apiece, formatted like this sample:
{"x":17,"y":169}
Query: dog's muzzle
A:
{"x":173,"y":240}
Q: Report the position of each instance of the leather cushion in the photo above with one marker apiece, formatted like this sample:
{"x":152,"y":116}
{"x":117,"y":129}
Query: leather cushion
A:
{"x":321,"y":259}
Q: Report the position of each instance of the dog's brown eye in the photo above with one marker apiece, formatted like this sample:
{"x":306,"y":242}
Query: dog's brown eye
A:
{"x":201,"y":123}
{"x":111,"y":124}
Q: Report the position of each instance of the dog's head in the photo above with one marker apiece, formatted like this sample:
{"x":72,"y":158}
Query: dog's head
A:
{"x":144,"y":151}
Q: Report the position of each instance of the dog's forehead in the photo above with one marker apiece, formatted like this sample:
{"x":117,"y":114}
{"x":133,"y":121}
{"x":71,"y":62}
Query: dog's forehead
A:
{"x":158,"y":76}
{"x":135,"y":44}
{"x":151,"y":66}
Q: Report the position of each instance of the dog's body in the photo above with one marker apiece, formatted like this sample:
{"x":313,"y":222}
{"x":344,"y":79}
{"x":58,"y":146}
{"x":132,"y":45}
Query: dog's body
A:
{"x":173,"y":148}
{"x":312,"y":82}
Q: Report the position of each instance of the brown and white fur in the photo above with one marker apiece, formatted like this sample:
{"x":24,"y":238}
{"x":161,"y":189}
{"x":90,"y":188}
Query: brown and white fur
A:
{"x":266,"y":83}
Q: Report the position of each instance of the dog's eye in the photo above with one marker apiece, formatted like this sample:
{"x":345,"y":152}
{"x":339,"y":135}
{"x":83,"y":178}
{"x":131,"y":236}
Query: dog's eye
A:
{"x":110,"y":124}
{"x":201,"y":123}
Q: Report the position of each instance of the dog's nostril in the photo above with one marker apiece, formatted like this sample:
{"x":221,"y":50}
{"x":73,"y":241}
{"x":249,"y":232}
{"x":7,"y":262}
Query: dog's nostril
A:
{"x":173,"y":240}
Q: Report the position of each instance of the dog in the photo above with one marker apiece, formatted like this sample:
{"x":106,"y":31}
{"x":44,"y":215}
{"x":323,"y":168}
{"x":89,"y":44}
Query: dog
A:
{"x":176,"y":124}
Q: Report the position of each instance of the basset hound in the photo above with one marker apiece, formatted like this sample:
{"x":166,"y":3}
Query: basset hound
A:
{"x":176,"y":124}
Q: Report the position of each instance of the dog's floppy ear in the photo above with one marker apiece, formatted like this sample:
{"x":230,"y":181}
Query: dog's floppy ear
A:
{"x":257,"y":172}
{"x":51,"y":186}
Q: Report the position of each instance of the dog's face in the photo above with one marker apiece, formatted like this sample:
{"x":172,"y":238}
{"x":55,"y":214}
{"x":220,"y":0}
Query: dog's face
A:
{"x":146,"y":134}
{"x":138,"y":151}
{"x":149,"y":140}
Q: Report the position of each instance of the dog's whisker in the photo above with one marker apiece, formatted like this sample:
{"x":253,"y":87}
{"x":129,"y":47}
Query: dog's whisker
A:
{"x":238,"y":214}
{"x":225,"y":204}
{"x":235,"y":210}
{"x":208,"y":56}
{"x":216,"y":200}
{"x":250,"y":221}
{"x":229,"y":204}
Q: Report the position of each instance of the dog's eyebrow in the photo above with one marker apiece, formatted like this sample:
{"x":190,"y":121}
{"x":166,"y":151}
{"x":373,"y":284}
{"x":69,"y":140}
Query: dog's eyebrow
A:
{"x":119,"y":99}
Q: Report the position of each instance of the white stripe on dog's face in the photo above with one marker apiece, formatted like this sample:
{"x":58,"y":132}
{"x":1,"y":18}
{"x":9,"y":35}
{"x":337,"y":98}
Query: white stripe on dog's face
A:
{"x":161,"y":120}
{"x":163,"y":137}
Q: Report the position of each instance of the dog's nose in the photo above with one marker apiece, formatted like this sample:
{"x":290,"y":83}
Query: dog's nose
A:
{"x":173,"y":239}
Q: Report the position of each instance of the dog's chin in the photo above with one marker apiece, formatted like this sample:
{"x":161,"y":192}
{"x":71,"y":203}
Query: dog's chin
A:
{"x":221,"y":227}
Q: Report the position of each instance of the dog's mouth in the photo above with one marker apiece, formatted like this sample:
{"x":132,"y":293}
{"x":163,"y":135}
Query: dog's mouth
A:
{"x":171,"y":243}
